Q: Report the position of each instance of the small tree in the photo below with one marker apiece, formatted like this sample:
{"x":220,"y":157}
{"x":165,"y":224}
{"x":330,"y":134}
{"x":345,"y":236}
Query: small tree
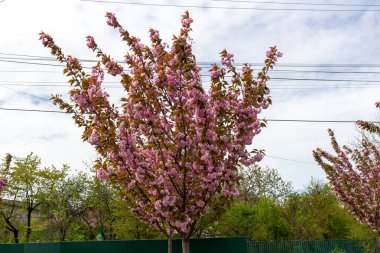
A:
{"x":259,"y":182}
{"x":28,"y":187}
{"x":316,"y":214}
{"x":354,"y":175}
{"x":101,"y":204}
{"x":66,"y":202}
{"x":173,"y":147}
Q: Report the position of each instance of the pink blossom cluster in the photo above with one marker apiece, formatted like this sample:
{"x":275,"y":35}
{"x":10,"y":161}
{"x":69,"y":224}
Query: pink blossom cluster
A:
{"x":114,"y":68}
{"x":3,"y":183}
{"x":172,"y":146}
{"x":273,"y":53}
{"x":186,"y":22}
{"x":111,"y":19}
{"x":3,"y":179}
{"x":91,"y":42}
{"x":354,"y":175}
{"x":44,"y":39}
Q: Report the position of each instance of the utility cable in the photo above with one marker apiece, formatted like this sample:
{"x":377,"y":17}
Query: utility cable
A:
{"x":269,"y":120}
{"x":206,"y":63}
{"x":288,"y":159}
{"x":25,"y":93}
{"x":229,"y":8}
{"x":273,"y":70}
{"x":297,"y":3}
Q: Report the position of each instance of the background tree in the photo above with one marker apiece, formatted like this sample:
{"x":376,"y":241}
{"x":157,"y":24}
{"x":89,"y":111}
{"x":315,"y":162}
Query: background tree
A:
{"x":101,"y":204}
{"x":129,"y":227}
{"x":258,"y":182}
{"x":354,"y":175}
{"x":261,"y":220}
{"x":65,"y":202}
{"x":173,"y":147}
{"x":255,"y":183}
{"x":316,"y":214}
{"x":27,"y":189}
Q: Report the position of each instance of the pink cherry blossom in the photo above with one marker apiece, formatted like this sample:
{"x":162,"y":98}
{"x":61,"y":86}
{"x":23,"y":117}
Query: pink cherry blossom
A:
{"x":111,"y":19}
{"x":354,"y":175}
{"x":94,"y":138}
{"x":102,"y":174}
{"x":91,"y":42}
{"x":172,"y":146}
{"x":215,"y":73}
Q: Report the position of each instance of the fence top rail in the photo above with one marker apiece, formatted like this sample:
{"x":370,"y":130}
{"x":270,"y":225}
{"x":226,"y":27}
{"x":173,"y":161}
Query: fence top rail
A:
{"x":339,"y":240}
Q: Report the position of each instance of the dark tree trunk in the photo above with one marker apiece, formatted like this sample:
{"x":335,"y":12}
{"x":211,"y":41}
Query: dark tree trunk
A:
{"x":185,"y":245}
{"x":137,"y":232}
{"x":62,"y":234}
{"x":15,"y":236}
{"x":12,"y":229}
{"x":29,"y":228}
{"x":170,"y":245}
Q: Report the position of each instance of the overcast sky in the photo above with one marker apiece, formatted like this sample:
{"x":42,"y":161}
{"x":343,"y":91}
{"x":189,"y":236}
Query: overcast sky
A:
{"x":309,"y":40}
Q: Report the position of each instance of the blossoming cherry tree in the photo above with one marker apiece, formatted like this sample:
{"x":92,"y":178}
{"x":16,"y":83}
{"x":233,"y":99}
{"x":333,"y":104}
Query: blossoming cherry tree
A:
{"x":172,"y":146}
{"x":354,"y":174}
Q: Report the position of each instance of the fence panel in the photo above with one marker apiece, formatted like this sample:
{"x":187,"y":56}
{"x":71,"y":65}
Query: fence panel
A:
{"x":42,"y":247}
{"x":304,"y":246}
{"x":218,"y":245}
{"x":12,"y":248}
{"x":212,"y":245}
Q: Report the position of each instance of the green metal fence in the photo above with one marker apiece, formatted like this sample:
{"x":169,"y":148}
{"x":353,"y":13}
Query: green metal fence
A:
{"x":304,"y":246}
{"x":213,"y":245}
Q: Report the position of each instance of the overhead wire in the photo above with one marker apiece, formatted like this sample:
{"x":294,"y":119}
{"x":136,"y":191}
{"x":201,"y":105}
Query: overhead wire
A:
{"x":202,"y":63}
{"x":288,"y":159}
{"x":273,"y":78}
{"x":229,"y":7}
{"x":26,"y":93}
{"x":297,"y":3}
{"x":344,"y":83}
{"x":273,"y":70}
{"x":269,"y":120}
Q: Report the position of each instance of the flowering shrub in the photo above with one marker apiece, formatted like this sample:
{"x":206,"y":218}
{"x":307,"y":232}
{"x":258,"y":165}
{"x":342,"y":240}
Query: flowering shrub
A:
{"x":172,"y":146}
{"x":354,"y":174}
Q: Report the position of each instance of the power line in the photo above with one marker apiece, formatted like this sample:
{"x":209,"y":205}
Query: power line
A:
{"x":296,"y":3}
{"x":230,"y":8}
{"x":272,"y":78}
{"x":32,"y":63}
{"x":31,"y":71}
{"x":316,"y":121}
{"x":206,"y":86}
{"x":269,"y":120}
{"x":311,"y":121}
{"x":30,"y":110}
{"x":208,"y":63}
{"x":25,"y":93}
{"x":324,"y":80}
{"x":287,"y":159}
{"x":273,"y":70}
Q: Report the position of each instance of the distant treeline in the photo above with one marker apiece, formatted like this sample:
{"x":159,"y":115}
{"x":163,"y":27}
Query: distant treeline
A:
{"x":51,"y":204}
